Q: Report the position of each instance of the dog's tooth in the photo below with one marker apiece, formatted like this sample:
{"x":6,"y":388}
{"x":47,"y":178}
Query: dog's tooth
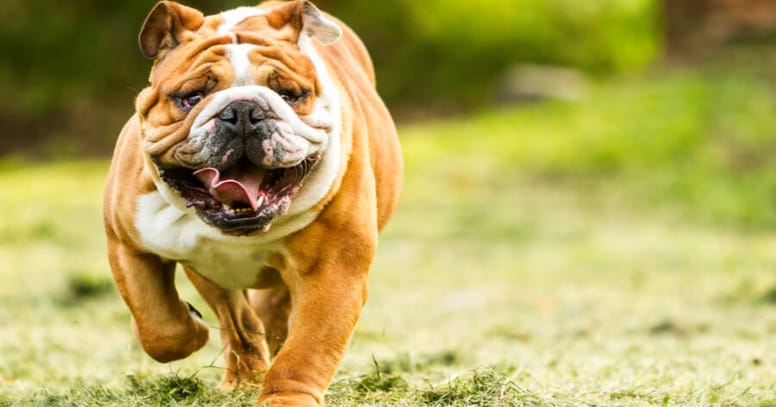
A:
{"x":260,"y":201}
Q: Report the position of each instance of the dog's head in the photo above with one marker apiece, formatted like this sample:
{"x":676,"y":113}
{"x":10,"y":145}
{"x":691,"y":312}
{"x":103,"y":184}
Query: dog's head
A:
{"x":236,"y":115}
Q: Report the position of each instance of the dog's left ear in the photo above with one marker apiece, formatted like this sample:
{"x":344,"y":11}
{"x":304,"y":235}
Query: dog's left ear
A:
{"x":307,"y":20}
{"x":316,"y":25}
{"x":168,"y":25}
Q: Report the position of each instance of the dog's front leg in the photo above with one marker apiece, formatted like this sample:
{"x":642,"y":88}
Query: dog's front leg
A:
{"x":325,"y":312}
{"x":328,"y":292}
{"x":162,"y":323}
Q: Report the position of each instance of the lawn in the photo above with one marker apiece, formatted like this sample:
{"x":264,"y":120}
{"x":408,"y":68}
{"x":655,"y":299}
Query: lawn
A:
{"x":619,"y":250}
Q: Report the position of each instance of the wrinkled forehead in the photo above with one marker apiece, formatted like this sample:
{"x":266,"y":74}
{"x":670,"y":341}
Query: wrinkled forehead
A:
{"x":248,"y":44}
{"x":249,"y":21}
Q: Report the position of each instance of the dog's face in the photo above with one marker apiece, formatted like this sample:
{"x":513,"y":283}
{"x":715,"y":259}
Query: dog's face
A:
{"x":236,"y":116}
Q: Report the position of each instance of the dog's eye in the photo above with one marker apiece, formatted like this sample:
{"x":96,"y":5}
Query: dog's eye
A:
{"x":292,"y":97}
{"x":187,"y":102}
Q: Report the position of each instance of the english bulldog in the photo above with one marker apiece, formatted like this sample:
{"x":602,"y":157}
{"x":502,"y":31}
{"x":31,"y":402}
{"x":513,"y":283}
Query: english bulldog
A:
{"x":262,"y":160}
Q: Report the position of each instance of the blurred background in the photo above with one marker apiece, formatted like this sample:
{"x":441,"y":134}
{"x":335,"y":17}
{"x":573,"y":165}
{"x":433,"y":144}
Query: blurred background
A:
{"x":681,"y":85}
{"x":68,"y":74}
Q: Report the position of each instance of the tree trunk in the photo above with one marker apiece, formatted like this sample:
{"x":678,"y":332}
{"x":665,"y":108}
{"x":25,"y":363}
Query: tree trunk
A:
{"x":693,"y":26}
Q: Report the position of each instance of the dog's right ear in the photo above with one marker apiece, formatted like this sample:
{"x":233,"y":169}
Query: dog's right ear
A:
{"x":167,"y":25}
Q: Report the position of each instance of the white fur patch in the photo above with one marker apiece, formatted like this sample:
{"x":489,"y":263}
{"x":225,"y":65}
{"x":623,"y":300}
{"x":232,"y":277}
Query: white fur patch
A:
{"x":235,"y":16}
{"x":175,"y":232}
{"x":241,"y":64}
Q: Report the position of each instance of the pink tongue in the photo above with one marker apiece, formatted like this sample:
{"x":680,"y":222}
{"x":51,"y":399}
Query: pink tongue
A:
{"x":239,"y":186}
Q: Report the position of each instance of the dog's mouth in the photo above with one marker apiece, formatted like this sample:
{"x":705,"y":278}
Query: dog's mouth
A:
{"x":242,"y":199}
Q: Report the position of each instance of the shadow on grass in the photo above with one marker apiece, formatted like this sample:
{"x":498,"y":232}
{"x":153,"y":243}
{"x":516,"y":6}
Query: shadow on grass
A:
{"x":84,"y":286}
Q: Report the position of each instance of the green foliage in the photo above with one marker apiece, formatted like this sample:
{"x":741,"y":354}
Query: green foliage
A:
{"x":591,"y":35}
{"x":54,"y":54}
{"x":453,"y":53}
{"x":70,"y":72}
{"x":693,"y":139}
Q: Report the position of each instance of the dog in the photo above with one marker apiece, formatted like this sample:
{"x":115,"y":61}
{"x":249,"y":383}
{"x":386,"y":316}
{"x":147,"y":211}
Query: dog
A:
{"x":262,"y":160}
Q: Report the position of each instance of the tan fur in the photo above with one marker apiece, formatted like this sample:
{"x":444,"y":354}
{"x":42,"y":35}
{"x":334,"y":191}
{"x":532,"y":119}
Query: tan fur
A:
{"x":319,"y":278}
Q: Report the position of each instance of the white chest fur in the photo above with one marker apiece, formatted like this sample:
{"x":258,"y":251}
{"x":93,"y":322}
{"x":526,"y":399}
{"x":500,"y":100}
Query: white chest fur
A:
{"x":229,"y":261}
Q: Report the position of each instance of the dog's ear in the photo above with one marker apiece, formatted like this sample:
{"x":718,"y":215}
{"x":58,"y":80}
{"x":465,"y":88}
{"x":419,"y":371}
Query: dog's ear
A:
{"x":307,"y":20}
{"x":167,"y":25}
{"x":316,"y":25}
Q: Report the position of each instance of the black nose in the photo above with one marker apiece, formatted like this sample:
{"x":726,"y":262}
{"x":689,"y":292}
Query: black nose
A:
{"x":241,"y":117}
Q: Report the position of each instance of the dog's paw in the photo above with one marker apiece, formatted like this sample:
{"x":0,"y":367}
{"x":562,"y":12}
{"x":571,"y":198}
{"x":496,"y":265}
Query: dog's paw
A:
{"x":287,"y":399}
{"x":166,"y":340}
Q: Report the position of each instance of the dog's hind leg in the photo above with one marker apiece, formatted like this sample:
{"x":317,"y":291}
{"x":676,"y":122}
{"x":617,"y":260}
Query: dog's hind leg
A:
{"x":242,"y":333}
{"x":273,"y":305}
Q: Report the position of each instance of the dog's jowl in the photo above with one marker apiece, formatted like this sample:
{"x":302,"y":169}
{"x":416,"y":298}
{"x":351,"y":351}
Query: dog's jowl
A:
{"x":261,"y":159}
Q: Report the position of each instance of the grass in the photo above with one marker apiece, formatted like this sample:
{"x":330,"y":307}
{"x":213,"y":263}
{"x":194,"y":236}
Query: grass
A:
{"x":616,"y":251}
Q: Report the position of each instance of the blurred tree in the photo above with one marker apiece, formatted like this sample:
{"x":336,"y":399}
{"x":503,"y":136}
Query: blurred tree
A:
{"x":69,"y":73}
{"x":693,"y":26}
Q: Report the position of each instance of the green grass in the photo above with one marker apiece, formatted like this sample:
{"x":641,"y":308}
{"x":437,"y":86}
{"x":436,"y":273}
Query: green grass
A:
{"x":616,"y":251}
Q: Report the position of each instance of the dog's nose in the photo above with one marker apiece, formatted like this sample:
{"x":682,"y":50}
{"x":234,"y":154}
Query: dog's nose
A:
{"x":241,"y":116}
